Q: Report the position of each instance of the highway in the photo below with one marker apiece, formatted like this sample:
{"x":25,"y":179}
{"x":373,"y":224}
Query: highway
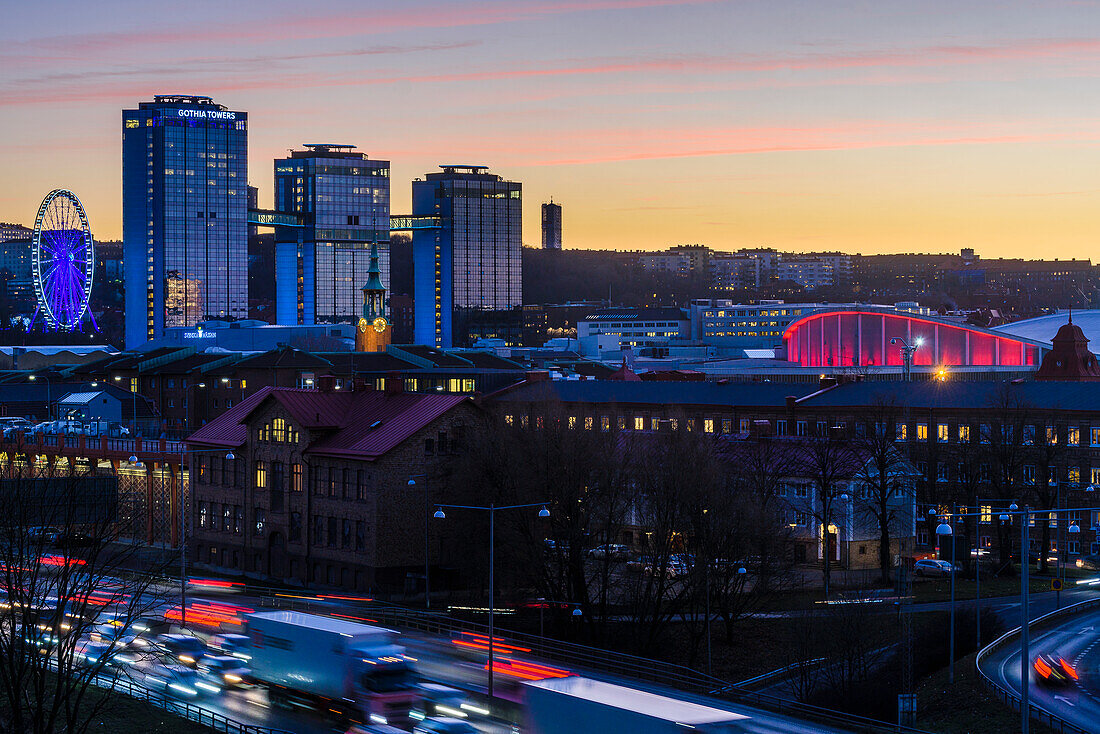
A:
{"x":1077,"y":639}
{"x":438,"y":660}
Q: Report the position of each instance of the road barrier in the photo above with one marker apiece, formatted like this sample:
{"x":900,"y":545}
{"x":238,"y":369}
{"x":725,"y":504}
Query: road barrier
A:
{"x":1012,"y":699}
{"x":187,"y":710}
{"x":668,"y":674}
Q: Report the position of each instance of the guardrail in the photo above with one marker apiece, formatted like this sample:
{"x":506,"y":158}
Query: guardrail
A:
{"x":1036,"y":713}
{"x":778,"y":673}
{"x":614,"y":663}
{"x":192,"y":712}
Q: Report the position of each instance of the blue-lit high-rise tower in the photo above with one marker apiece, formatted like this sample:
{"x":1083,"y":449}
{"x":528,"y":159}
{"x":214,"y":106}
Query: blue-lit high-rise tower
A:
{"x":343,"y":199}
{"x":472,"y":264}
{"x":184,"y":214}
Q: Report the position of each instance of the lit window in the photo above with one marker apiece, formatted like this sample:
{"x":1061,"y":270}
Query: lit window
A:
{"x":261,"y":475}
{"x":708,"y":425}
{"x":639,"y":423}
{"x":1074,"y":475}
{"x":964,"y":434}
{"x":942,"y":433}
{"x":922,"y":431}
{"x":1073,"y":436}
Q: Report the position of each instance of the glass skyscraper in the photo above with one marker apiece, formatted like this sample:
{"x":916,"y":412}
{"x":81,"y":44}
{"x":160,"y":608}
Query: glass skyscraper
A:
{"x":473,"y":263}
{"x":344,"y":200}
{"x":184,"y":212}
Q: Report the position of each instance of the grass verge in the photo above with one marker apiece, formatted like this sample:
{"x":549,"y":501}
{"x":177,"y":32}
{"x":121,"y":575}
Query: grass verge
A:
{"x":967,"y":707}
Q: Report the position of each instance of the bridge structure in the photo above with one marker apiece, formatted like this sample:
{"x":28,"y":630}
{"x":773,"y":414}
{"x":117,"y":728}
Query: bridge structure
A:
{"x":398,"y":222}
{"x":150,"y":489}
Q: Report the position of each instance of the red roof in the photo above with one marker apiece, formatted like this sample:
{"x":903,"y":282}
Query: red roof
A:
{"x":364,"y":424}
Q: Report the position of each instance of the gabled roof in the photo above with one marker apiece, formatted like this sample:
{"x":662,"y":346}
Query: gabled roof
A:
{"x":364,"y":424}
{"x":283,"y":357}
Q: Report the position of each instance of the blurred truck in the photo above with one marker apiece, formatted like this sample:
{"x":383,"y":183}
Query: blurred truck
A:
{"x":576,"y":705}
{"x":355,"y":670}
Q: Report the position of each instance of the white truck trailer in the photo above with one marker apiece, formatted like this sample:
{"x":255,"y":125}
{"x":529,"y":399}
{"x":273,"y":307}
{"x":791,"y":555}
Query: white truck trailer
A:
{"x":338,"y":665}
{"x":576,"y":705}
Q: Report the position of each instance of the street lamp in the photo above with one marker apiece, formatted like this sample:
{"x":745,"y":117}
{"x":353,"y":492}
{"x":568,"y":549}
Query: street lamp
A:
{"x":907,"y":351}
{"x":49,"y":388}
{"x":492,"y":509}
{"x":942,"y":530}
{"x":427,"y":586}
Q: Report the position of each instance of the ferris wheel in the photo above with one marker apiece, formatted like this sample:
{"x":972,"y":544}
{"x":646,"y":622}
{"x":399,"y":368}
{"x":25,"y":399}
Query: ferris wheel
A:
{"x":63,"y":258}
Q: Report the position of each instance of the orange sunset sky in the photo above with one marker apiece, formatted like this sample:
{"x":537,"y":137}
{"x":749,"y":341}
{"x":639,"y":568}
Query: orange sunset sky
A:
{"x":867,"y":127}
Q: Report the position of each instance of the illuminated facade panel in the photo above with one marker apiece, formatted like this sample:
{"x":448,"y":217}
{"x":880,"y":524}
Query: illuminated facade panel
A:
{"x":862,"y":339}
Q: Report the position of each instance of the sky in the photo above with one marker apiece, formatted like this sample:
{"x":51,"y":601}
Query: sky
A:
{"x":871,"y":127}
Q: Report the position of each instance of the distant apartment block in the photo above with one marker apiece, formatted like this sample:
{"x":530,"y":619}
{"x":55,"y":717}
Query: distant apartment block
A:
{"x":749,"y":268}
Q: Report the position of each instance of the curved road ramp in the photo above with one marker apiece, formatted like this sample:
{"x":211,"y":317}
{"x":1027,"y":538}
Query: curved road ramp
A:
{"x":1071,"y":634}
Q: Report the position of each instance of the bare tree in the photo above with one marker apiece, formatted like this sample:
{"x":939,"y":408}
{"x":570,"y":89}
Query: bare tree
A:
{"x":64,"y":572}
{"x":828,"y":462}
{"x":885,"y":478}
{"x":1002,"y":442}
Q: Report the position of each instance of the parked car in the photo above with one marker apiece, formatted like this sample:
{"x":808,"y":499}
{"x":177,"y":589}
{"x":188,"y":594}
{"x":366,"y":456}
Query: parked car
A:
{"x":552,"y":545}
{"x":223,"y":671}
{"x":444,"y":725}
{"x":933,"y":567}
{"x":1053,"y":670}
{"x":614,"y":551}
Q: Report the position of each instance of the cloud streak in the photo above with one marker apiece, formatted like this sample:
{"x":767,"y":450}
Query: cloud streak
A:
{"x":316,"y":26}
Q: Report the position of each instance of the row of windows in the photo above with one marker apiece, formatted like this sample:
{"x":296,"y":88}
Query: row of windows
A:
{"x":331,"y":531}
{"x":1030,"y":434}
{"x":983,"y":473}
{"x":278,"y":431}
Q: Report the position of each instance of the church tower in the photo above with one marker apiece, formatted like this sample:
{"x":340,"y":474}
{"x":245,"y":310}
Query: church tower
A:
{"x":374,"y":332}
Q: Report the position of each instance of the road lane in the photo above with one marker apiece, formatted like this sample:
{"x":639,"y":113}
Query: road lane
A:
{"x":1077,"y":639}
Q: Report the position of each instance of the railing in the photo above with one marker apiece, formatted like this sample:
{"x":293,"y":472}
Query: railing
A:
{"x":777,"y":674}
{"x":669,"y":674}
{"x":1012,"y":699}
{"x":206,"y":717}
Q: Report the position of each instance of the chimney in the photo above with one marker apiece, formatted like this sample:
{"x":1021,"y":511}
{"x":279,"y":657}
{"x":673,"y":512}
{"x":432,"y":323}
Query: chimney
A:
{"x":537,"y":376}
{"x":325,"y":383}
{"x":791,"y":402}
{"x":395,"y":383}
{"x":361,"y":384}
{"x":826,"y":382}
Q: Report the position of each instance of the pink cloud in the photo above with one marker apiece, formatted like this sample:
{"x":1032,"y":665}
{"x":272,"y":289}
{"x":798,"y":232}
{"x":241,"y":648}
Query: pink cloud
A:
{"x":314,"y":26}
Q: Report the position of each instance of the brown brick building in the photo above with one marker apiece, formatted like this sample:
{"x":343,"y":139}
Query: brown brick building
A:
{"x":311,"y":485}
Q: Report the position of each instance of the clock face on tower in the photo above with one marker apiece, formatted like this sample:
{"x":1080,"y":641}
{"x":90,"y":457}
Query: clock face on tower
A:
{"x":362,"y":325}
{"x":379,"y":325}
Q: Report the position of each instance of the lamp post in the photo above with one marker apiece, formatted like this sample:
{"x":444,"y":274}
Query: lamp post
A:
{"x":828,"y":500}
{"x":492,"y":509}
{"x":49,"y":401}
{"x":907,"y":351}
{"x":944,"y":530}
{"x":427,"y":585}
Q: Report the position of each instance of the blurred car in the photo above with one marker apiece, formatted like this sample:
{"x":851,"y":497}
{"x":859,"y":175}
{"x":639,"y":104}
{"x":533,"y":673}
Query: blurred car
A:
{"x":614,"y":551}
{"x":178,"y":680}
{"x":933,"y":567}
{"x":444,"y":725}
{"x":1053,"y":670}
{"x":673,"y":567}
{"x":185,"y":649}
{"x":375,"y":729}
{"x":223,"y":671}
{"x":89,"y":653}
{"x":234,"y":645}
{"x":119,"y":635}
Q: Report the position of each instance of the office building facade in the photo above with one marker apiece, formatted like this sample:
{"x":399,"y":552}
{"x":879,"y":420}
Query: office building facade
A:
{"x":472,"y":263}
{"x":184,"y":210}
{"x":551,"y":226}
{"x":344,"y":199}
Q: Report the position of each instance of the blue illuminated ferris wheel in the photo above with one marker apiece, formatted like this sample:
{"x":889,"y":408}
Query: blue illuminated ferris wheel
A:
{"x":63,"y":258}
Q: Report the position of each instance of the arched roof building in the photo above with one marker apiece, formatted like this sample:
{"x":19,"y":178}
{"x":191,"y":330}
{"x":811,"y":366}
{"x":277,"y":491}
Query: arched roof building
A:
{"x":862,"y":338}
